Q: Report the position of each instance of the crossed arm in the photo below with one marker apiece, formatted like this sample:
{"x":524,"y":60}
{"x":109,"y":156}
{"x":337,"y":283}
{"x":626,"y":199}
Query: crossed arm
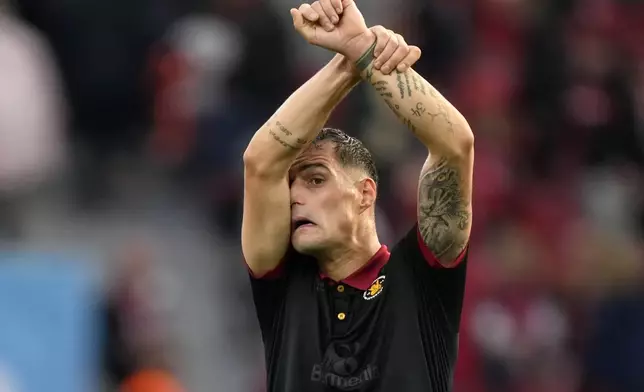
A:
{"x":445,"y":188}
{"x":445,"y":185}
{"x":266,"y":222}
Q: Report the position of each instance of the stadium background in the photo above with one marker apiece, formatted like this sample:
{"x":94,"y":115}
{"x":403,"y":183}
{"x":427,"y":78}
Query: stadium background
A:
{"x":122,"y":125}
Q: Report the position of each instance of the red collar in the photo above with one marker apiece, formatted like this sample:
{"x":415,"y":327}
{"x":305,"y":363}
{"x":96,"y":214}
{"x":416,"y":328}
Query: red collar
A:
{"x":364,"y":277}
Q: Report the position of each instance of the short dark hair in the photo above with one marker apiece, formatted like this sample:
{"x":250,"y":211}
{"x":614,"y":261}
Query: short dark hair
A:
{"x":349,"y":151}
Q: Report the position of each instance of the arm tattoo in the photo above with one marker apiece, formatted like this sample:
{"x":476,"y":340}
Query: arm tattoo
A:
{"x":381,"y":88}
{"x":281,"y":141}
{"x":409,"y":83}
{"x":419,"y":110}
{"x":283,"y":129}
{"x":443,"y":215}
{"x":401,"y":84}
{"x":288,"y":134}
{"x":419,"y":85}
{"x":443,"y":112}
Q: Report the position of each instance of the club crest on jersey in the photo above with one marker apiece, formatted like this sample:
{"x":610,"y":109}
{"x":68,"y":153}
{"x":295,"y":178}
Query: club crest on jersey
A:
{"x":375,"y":288}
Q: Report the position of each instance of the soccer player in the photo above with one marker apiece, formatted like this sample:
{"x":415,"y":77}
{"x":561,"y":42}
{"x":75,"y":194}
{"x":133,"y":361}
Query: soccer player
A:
{"x":337,"y":309}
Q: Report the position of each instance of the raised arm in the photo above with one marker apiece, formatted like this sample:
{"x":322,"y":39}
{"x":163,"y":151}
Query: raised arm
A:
{"x":266,"y":223}
{"x":445,"y":185}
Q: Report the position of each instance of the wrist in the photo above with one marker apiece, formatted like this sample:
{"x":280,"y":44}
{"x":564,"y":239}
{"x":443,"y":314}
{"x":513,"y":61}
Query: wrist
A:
{"x":358,"y":46}
{"x":337,"y":77}
{"x":343,"y":70}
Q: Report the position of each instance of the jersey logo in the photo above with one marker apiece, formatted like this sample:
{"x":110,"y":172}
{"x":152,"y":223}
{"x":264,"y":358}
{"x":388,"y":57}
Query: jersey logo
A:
{"x":375,"y":288}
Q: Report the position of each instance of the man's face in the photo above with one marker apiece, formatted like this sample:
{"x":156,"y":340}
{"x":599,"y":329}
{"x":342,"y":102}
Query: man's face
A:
{"x":326,"y":200}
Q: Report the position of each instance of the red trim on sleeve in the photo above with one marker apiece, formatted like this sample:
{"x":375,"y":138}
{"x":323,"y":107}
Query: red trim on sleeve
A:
{"x":275,"y":273}
{"x":431,"y":258}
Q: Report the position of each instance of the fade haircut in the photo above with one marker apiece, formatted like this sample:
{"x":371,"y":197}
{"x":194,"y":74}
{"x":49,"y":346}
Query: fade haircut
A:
{"x":349,"y":151}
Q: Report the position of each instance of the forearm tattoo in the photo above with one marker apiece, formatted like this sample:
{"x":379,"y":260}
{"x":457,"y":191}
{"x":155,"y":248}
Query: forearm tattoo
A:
{"x":443,"y":211}
{"x":409,"y":85}
{"x":284,"y":137}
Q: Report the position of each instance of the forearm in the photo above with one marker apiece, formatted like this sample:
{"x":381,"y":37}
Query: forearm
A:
{"x":297,"y":122}
{"x":432,"y":119}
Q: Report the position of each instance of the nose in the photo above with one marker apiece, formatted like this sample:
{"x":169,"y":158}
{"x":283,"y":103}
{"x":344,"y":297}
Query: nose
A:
{"x":297,"y":196}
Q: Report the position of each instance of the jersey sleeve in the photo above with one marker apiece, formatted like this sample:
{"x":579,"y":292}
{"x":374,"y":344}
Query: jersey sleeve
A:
{"x":446,"y":284}
{"x":269,"y":293}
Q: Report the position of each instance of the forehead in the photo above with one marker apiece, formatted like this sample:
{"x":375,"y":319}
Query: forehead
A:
{"x":317,"y":154}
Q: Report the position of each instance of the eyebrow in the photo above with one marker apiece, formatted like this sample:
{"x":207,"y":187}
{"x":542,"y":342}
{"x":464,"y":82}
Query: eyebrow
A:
{"x":312,"y":166}
{"x":303,"y":168}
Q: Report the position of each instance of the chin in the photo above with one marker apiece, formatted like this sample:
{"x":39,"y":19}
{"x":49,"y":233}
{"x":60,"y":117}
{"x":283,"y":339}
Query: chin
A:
{"x":307,"y":246}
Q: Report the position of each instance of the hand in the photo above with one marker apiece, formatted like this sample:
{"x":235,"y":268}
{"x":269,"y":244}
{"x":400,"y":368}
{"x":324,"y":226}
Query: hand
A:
{"x":392,"y":52}
{"x":336,"y":25}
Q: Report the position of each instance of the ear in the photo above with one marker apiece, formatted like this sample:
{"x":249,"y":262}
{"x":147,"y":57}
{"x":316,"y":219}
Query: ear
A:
{"x":368,"y":194}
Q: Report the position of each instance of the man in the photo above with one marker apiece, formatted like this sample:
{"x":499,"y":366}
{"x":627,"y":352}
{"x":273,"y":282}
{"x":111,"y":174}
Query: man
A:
{"x":32,"y":121}
{"x":338,"y":310}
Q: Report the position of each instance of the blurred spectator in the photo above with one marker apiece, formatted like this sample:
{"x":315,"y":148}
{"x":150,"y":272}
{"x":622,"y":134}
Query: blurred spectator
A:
{"x":517,"y":323}
{"x":611,"y":272}
{"x":103,"y":50}
{"x":118,"y":361}
{"x":441,"y":30}
{"x":254,"y":91}
{"x":32,"y":119}
{"x":193,"y":74}
{"x":138,"y":338}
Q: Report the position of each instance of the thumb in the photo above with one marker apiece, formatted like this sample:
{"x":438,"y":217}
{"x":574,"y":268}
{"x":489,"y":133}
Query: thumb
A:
{"x":298,"y":19}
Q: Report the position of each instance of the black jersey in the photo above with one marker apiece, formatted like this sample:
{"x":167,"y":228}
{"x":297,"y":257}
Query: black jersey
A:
{"x":392,"y":326}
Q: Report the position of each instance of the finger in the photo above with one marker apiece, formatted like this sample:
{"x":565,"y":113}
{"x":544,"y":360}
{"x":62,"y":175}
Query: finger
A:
{"x":324,"y":20}
{"x":308,"y":13}
{"x":412,"y":57}
{"x":382,"y":38}
{"x":387,"y":52}
{"x":337,"y":4}
{"x":397,"y":57}
{"x":298,"y":20}
{"x":330,"y":11}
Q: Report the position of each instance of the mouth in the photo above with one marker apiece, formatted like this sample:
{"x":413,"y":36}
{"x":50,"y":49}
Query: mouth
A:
{"x":302,"y":223}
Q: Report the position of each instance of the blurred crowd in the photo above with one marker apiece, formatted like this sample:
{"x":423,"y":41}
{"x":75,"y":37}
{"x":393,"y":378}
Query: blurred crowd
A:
{"x":114,"y":110}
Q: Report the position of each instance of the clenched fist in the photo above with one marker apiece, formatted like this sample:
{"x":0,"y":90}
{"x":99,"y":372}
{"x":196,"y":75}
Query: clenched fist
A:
{"x":338,"y":25}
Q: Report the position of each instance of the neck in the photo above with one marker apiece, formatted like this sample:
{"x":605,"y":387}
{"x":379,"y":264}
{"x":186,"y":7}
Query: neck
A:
{"x":350,"y":257}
